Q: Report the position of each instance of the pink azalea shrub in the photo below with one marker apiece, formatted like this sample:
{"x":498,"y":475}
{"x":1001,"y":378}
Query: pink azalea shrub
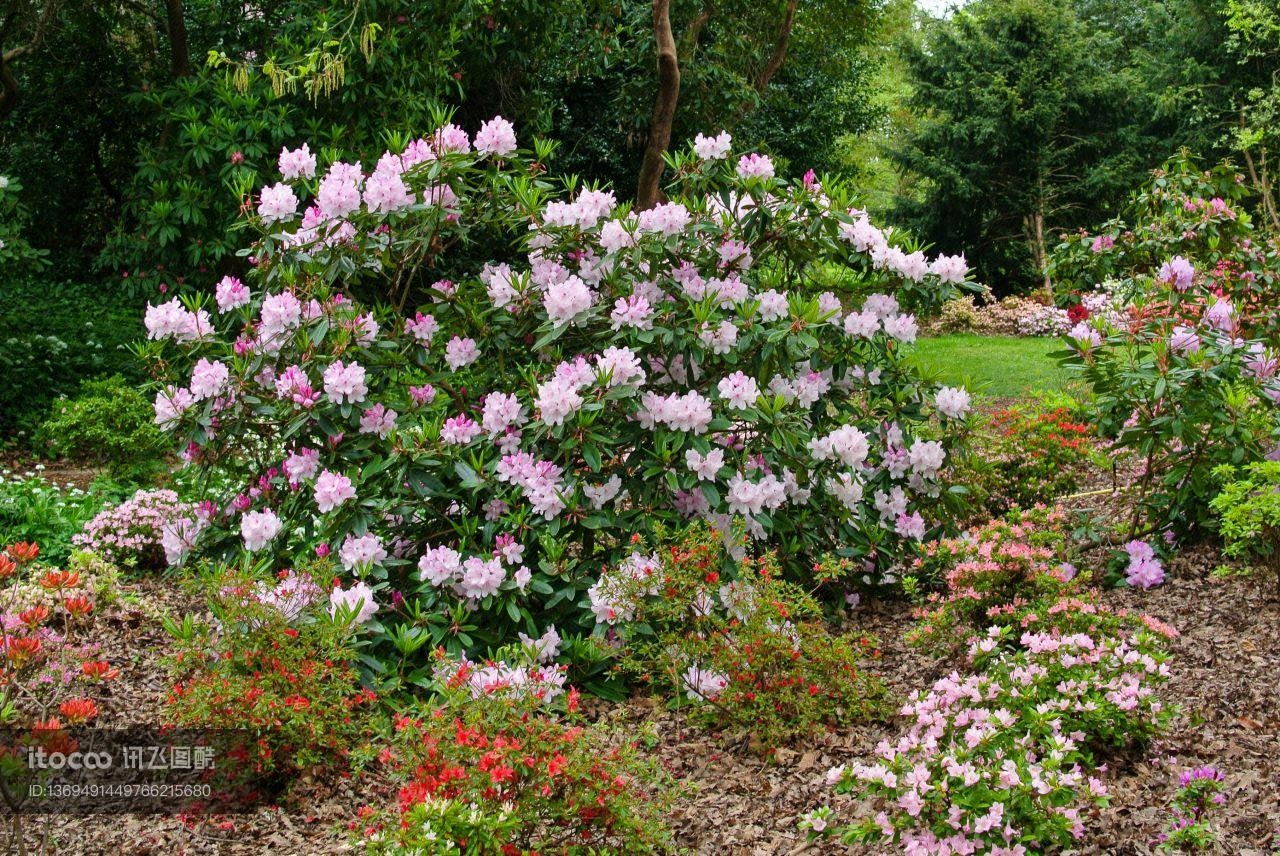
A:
{"x":1004,"y":760}
{"x":494,"y":437}
{"x":130,"y":533}
{"x":991,"y":571}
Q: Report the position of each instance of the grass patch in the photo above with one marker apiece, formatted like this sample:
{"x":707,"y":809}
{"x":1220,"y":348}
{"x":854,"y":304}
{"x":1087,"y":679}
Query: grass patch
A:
{"x":998,"y":366}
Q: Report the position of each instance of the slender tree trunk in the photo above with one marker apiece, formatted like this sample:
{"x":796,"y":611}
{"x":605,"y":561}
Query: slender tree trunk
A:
{"x":1033,"y":228}
{"x":8,"y":89}
{"x":175,"y":23}
{"x":649,"y":186}
{"x":779,"y":55}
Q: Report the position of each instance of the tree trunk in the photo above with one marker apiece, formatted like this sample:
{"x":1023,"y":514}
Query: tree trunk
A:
{"x":649,"y":186}
{"x":1033,"y":227}
{"x":8,"y":89}
{"x":179,"y":57}
{"x":779,"y":55}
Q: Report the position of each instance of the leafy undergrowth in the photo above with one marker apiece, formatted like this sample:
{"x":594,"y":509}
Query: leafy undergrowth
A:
{"x":741,"y":803}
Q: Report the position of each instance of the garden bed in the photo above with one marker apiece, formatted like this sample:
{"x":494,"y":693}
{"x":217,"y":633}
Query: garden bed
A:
{"x":740,"y":803}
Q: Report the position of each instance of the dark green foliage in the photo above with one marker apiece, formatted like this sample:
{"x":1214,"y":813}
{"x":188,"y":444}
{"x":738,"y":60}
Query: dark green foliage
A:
{"x":1027,"y":125}
{"x":109,"y":422}
{"x":53,"y":335}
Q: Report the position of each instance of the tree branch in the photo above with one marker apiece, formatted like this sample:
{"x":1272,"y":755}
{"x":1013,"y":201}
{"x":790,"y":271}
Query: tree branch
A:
{"x":176,"y":26}
{"x":779,"y":55}
{"x":9,"y":83}
{"x":689,"y":44}
{"x":648,"y":189}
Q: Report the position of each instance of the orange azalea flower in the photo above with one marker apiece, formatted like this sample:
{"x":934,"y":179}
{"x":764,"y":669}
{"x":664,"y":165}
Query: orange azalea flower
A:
{"x":7,"y":567}
{"x":35,"y":616}
{"x":59,"y":580}
{"x":79,"y":606}
{"x":99,"y":670}
{"x":78,"y":710}
{"x":21,"y":650}
{"x":23,"y":552}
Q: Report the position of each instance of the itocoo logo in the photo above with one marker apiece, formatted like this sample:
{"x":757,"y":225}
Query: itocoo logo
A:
{"x":39,"y":759}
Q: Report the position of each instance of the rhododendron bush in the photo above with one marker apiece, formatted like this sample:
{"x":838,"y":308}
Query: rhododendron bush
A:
{"x":1187,"y":379}
{"x":496,"y":441}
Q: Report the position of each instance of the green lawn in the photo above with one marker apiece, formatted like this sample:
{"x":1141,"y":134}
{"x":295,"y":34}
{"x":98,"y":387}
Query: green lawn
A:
{"x":1000,"y":366}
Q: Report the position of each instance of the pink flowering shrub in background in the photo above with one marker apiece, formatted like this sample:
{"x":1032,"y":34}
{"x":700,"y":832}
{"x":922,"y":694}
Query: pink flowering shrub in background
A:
{"x":1187,"y":380}
{"x":130,"y":533}
{"x":476,"y":449}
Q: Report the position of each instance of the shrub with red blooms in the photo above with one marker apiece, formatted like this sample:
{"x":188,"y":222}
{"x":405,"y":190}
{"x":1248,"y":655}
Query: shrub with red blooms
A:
{"x":47,"y":662}
{"x":497,"y":774}
{"x":278,"y":667}
{"x":1028,"y":453}
{"x":751,"y":650}
{"x":49,"y":670}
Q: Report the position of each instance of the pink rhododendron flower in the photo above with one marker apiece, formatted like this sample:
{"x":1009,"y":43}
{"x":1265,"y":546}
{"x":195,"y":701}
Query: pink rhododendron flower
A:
{"x":950,"y":269}
{"x":298,"y":163}
{"x":755,"y":165}
{"x":360,"y":553}
{"x":302,"y":465}
{"x":332,"y":490}
{"x":459,"y":430}
{"x":344,"y":383}
{"x":1084,"y":336}
{"x":277,"y":203}
{"x":208,"y":379}
{"x":712,"y":148}
{"x":706,"y":466}
{"x":422,"y":327}
{"x":564,"y":300}
{"x":952,"y":402}
{"x":339,"y":192}
{"x":481,"y":577}
{"x":669,"y":218}
{"x":461,"y":352}
{"x":702,"y":684}
{"x":1220,"y":315}
{"x":1184,"y":340}
{"x":259,"y":528}
{"x":601,"y":495}
{"x":1144,"y":569}
{"x":440,"y":565}
{"x":170,"y":404}
{"x":357,"y":600}
{"x":231,"y":293}
{"x":1177,"y":272}
{"x":496,"y":137}
{"x":901,"y":327}
{"x":379,"y":420}
{"x":633,"y":311}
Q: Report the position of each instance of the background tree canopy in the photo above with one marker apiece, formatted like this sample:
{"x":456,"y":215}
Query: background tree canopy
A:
{"x":140,"y":127}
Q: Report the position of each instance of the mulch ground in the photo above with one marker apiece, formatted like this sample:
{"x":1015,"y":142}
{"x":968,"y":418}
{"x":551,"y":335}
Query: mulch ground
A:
{"x":1225,"y":669}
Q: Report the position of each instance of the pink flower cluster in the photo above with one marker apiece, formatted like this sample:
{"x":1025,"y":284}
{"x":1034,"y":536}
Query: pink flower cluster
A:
{"x":1144,"y":570}
{"x":513,"y":680}
{"x":999,"y":761}
{"x":132,"y":530}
